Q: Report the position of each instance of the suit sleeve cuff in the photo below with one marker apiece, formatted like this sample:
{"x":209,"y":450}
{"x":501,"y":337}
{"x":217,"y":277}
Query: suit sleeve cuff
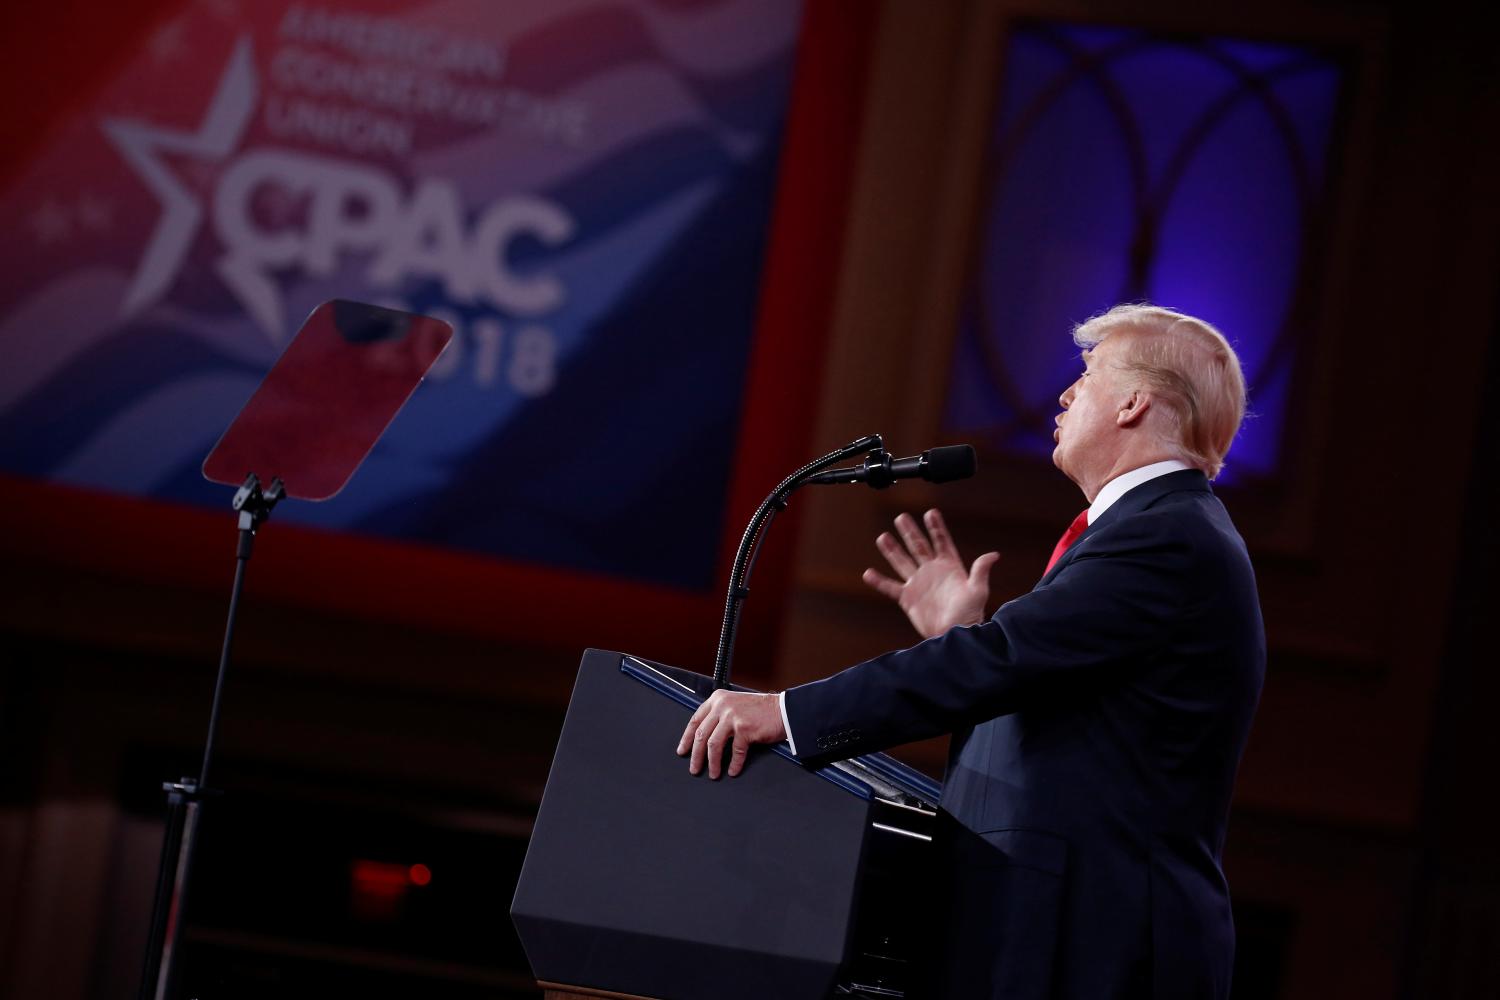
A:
{"x":786,"y":723}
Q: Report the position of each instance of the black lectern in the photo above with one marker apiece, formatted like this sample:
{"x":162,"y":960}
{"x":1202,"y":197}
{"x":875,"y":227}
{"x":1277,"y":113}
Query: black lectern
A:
{"x":784,"y":882}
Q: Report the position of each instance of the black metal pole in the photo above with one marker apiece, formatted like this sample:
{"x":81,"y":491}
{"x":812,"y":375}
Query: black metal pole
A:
{"x":172,"y":945}
{"x":242,"y":557}
{"x":166,"y":880}
{"x":185,"y":797}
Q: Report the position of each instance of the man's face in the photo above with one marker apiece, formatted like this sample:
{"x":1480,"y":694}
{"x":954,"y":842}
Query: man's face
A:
{"x":1087,"y":429}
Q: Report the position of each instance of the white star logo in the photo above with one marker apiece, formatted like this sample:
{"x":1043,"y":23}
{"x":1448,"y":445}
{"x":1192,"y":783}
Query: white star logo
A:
{"x":141,"y":145}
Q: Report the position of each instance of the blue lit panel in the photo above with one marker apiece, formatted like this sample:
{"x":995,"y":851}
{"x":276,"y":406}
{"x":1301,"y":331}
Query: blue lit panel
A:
{"x":1127,"y":166}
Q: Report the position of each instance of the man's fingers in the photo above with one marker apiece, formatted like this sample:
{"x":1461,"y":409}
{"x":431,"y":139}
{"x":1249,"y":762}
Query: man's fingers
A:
{"x":896,"y":555}
{"x":890,"y":588}
{"x":979,"y":573}
{"x":737,"y":757}
{"x":731,"y":724}
{"x":700,"y":742}
{"x":942,"y":541}
{"x":715,"y":747}
{"x":708,"y":720}
{"x":912,"y":535}
{"x":684,"y":744}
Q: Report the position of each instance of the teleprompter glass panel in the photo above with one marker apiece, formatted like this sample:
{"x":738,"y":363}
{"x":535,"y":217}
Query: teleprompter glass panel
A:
{"x":328,"y":398}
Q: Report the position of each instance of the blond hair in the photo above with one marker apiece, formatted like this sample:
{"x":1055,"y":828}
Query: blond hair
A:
{"x":1186,"y":364}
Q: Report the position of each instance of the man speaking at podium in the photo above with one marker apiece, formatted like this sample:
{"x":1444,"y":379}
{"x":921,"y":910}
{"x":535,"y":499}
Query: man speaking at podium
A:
{"x":1098,"y":720}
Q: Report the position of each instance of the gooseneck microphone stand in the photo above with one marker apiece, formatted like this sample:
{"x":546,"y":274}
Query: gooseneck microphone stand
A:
{"x":744,"y":556}
{"x":185,"y":797}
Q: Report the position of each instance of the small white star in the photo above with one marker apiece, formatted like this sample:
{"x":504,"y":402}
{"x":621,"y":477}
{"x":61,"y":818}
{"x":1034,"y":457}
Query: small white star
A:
{"x":51,"y":222}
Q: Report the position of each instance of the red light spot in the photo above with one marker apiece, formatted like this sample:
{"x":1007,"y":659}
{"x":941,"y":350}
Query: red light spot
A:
{"x":419,"y":874}
{"x":377,"y":876}
{"x":377,"y":889}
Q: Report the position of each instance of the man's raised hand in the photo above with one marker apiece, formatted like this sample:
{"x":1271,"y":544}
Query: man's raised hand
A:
{"x":933,"y":587}
{"x":733,"y":719}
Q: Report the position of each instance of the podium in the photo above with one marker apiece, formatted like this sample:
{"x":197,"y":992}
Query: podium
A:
{"x":642,"y":880}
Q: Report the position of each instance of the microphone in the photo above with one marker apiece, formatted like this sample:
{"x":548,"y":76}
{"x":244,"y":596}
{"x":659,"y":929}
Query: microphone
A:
{"x":936,"y":465}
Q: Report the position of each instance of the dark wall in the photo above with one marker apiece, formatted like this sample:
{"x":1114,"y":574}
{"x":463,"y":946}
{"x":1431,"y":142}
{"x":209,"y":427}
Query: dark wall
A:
{"x":1454,"y":921}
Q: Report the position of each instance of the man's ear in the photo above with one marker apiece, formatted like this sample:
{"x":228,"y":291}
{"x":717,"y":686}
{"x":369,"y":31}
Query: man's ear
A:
{"x":1134,"y":410}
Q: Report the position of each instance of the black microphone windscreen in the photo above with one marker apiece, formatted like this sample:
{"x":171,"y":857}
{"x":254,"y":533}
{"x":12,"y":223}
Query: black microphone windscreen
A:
{"x":946,"y":464}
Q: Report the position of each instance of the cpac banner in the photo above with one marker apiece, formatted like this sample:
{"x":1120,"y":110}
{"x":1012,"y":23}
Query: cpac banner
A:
{"x":581,"y":189}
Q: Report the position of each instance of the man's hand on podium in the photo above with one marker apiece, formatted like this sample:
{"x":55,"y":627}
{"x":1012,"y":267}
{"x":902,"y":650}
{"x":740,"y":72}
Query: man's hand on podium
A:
{"x":730,"y":719}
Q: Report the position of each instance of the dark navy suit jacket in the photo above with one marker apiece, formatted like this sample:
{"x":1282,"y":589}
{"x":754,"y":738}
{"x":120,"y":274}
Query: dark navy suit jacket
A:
{"x":1098,"y":722}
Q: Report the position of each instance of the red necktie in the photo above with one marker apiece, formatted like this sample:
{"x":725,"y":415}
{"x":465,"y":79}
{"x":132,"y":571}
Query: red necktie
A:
{"x":1079,"y":526}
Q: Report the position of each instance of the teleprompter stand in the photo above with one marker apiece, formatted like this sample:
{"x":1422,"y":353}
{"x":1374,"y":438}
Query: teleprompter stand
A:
{"x":184,"y":797}
{"x":309,"y":426}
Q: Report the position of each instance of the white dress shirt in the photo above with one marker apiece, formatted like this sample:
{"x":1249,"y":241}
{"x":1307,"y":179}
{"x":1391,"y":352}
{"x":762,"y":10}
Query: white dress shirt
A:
{"x":1127,"y":481}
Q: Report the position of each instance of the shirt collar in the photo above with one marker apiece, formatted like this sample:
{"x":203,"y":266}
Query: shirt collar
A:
{"x":1127,"y":481}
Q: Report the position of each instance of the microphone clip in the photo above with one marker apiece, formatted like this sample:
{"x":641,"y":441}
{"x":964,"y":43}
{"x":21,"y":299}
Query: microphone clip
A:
{"x":877,"y":469}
